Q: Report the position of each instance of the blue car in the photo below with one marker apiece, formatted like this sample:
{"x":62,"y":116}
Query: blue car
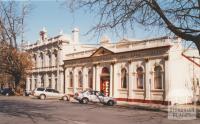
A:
{"x":7,"y":92}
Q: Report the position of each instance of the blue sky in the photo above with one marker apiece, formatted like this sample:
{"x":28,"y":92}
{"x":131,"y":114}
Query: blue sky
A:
{"x":53,"y":15}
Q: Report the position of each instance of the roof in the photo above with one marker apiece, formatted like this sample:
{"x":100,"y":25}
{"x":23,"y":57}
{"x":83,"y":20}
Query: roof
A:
{"x":102,"y":51}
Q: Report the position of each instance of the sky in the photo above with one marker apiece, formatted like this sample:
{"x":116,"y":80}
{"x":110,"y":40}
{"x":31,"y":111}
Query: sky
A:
{"x":55,"y":16}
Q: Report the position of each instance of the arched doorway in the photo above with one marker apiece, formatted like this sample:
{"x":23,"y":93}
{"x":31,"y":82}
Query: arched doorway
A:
{"x":105,"y":81}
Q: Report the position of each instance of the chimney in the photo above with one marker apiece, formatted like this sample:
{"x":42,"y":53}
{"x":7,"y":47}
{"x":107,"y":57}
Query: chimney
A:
{"x":43,"y":34}
{"x":75,"y":35}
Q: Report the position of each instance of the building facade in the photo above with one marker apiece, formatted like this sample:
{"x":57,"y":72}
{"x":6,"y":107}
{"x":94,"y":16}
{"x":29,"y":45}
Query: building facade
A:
{"x":154,"y":70}
{"x":48,"y":55}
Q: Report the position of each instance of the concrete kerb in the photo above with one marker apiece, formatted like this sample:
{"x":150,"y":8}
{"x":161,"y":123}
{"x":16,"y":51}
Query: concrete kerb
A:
{"x":143,"y":106}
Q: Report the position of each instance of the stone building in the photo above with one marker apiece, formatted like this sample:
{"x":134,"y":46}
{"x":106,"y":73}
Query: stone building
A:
{"x":48,"y":55}
{"x":154,"y":70}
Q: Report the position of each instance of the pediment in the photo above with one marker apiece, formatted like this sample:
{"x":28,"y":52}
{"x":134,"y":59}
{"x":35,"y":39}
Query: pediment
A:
{"x":102,"y":51}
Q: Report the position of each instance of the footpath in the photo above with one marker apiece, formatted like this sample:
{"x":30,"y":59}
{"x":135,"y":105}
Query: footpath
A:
{"x":155,"y":107}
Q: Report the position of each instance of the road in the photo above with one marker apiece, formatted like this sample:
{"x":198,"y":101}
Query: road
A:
{"x":26,"y":110}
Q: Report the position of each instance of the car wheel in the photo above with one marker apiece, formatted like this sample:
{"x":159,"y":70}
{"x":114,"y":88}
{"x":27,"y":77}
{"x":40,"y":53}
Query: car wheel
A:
{"x":110,"y":103}
{"x":65,"y":98}
{"x":80,"y":101}
{"x":42,"y":97}
{"x":85,"y":101}
{"x":7,"y":94}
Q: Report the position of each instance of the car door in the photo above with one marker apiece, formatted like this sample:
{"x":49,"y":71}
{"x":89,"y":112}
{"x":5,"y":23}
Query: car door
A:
{"x":49,"y":93}
{"x":56,"y":94}
{"x":101,"y":96}
{"x":94,"y":96}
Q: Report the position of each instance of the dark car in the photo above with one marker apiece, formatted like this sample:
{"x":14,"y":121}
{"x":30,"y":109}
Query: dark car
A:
{"x":7,"y":92}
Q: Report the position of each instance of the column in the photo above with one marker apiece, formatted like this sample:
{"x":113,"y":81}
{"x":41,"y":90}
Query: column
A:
{"x":166,"y":82}
{"x":98,"y":71}
{"x":61,"y":82}
{"x":147,"y":81}
{"x":116,"y":80}
{"x":28,"y":83}
{"x":53,"y":59}
{"x":45,"y":59}
{"x":111,"y":79}
{"x":38,"y":81}
{"x":134,"y":80}
{"x":75,"y":80}
{"x":130,"y":80}
{"x":53,"y":81}
{"x":33,"y":82}
{"x":59,"y":57}
{"x":46,"y":80}
{"x":38,"y":60}
{"x":85,"y":78}
{"x":94,"y":77}
{"x":66,"y":80}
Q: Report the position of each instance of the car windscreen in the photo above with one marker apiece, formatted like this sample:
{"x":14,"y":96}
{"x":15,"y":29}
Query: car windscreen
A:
{"x":40,"y":89}
{"x":55,"y":91}
{"x":49,"y":90}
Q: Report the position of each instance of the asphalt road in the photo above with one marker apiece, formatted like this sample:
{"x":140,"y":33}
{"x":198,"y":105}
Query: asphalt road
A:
{"x":26,"y":110}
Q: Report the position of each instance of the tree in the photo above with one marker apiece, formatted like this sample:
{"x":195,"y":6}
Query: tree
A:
{"x":12,"y":17}
{"x":181,"y":17}
{"x":13,"y":62}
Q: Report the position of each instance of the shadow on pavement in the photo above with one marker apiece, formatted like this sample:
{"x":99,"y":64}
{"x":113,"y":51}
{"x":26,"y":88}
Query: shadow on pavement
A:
{"x":23,"y":109}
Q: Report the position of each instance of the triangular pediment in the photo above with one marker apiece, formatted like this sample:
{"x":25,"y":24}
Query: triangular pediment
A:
{"x":102,"y":51}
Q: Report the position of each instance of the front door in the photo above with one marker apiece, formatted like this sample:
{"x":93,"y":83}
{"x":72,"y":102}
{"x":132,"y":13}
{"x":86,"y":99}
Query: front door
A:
{"x":105,"y":87}
{"x":105,"y":81}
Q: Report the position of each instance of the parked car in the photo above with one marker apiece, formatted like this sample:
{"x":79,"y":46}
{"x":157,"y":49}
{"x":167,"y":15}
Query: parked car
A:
{"x":94,"y":96}
{"x":45,"y":93}
{"x":1,"y":90}
{"x":8,"y":92}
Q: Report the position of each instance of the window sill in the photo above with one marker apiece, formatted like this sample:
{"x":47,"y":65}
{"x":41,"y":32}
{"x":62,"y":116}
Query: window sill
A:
{"x":123,"y":89}
{"x":157,"y":90}
{"x":79,"y":88}
{"x":138,"y":90}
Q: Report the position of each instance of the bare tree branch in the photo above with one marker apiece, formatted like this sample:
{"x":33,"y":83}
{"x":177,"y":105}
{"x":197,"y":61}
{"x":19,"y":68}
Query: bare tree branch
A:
{"x":182,"y":17}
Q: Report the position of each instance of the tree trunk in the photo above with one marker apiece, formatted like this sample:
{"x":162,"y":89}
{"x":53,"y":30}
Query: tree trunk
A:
{"x":17,"y":81}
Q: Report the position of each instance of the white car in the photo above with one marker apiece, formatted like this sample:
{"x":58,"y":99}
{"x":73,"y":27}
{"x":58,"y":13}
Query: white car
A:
{"x":43,"y":93}
{"x":94,"y":96}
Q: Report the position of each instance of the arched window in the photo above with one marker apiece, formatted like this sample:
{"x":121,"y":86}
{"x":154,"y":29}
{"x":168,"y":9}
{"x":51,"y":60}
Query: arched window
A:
{"x":35,"y":83}
{"x":158,"y":77}
{"x":105,"y":70}
{"x":56,"y":58}
{"x":35,"y":60}
{"x":42,"y":60}
{"x":90,"y":78}
{"x":140,"y":78}
{"x":30,"y":84}
{"x":71,"y":79}
{"x":42,"y":80}
{"x":49,"y":58}
{"x":56,"y":81}
{"x":80,"y":79}
{"x":50,"y":81}
{"x":123,"y":78}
